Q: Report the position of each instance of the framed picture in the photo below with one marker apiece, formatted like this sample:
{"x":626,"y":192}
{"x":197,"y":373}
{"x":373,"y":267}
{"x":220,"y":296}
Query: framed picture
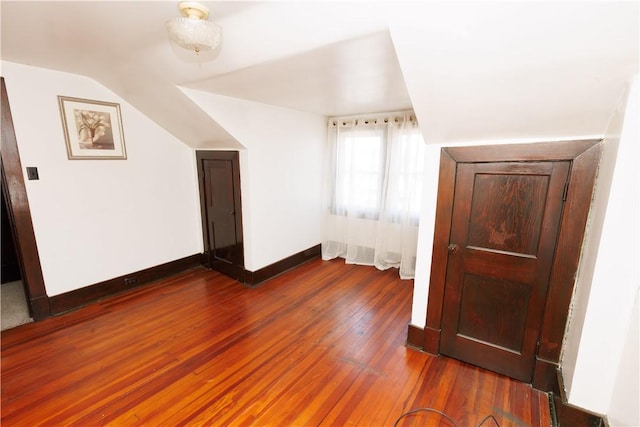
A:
{"x":92,"y":129}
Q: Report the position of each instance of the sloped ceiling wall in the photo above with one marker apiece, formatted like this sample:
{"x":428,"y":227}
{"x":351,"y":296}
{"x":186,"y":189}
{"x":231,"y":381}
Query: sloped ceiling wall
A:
{"x":511,"y":70}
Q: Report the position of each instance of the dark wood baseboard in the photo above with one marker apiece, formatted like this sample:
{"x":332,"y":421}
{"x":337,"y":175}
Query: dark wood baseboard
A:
{"x":427,"y":339}
{"x":253,"y":278}
{"x":40,"y":307}
{"x":415,"y":336}
{"x":432,"y":340}
{"x":79,"y":297}
{"x":563,"y":414}
{"x":545,"y":376}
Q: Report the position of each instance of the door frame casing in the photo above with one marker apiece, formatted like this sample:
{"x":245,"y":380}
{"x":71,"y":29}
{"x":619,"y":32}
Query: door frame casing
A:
{"x":584,"y":156}
{"x":234,"y":157}
{"x":19,"y":212}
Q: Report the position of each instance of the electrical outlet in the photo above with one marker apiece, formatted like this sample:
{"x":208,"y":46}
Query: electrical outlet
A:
{"x":130,"y":281}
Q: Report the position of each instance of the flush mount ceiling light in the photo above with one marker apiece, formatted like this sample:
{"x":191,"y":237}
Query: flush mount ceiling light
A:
{"x":192,"y":31}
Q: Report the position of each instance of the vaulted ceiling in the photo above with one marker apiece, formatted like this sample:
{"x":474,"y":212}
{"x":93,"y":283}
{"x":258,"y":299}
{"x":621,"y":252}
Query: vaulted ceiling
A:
{"x":471,"y":70}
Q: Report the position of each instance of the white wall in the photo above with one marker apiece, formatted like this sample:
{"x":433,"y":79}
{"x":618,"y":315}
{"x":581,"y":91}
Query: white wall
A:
{"x":608,"y":277}
{"x":623,"y":408}
{"x":425,"y":235}
{"x":99,"y":219}
{"x":281,"y":174}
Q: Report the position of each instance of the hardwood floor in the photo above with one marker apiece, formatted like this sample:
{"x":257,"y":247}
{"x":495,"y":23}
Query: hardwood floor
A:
{"x":323,"y":344}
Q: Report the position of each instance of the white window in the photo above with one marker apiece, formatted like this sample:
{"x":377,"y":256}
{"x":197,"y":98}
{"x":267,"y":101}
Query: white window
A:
{"x":373,"y":184}
{"x":359,"y":173}
{"x":378,"y":171}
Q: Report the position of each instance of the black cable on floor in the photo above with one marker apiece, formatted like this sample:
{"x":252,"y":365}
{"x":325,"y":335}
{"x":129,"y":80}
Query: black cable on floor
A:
{"x":447,"y":417}
{"x":414,"y":411}
{"x":487,"y":417}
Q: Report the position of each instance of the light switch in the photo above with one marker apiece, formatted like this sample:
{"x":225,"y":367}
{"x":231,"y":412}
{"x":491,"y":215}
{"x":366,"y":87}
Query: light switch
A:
{"x":32,"y":173}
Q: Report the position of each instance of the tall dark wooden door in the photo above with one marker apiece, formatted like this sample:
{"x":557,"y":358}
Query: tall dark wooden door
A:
{"x":504,"y":228}
{"x":222,"y":211}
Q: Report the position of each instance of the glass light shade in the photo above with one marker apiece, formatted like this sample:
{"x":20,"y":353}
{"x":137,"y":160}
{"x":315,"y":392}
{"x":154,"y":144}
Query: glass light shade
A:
{"x":194,"y":33}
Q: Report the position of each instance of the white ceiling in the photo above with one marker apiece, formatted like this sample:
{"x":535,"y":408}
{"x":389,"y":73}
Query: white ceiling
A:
{"x":354,"y":76}
{"x":345,"y":58}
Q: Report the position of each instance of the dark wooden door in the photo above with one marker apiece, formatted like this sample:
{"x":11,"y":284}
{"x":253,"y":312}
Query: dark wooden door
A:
{"x":222,"y":215}
{"x":504,"y":229}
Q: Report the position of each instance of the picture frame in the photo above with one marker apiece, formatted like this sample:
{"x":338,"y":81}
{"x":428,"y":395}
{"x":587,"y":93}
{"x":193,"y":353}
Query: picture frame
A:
{"x":92,"y":129}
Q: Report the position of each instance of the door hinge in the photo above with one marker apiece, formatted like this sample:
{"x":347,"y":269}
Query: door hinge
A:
{"x":537,"y":347}
{"x":566,"y":190}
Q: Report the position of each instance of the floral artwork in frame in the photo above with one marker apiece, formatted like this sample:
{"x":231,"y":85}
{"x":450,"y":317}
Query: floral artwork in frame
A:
{"x":92,"y":129}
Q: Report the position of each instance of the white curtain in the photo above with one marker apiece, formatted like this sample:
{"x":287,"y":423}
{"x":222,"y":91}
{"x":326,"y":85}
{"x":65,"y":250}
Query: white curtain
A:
{"x":372,"y":188}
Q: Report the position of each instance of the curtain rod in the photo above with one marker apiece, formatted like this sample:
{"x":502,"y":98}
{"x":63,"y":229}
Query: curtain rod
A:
{"x":373,"y":115}
{"x":374,"y":118}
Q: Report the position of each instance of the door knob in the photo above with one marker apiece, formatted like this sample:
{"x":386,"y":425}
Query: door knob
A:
{"x":453,"y":248}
